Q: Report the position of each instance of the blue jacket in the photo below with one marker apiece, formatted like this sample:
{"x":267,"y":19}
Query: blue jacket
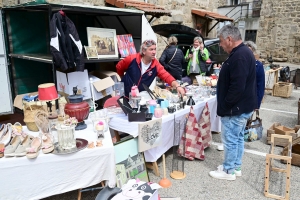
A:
{"x":132,"y":66}
{"x":260,"y":82}
{"x":236,"y":88}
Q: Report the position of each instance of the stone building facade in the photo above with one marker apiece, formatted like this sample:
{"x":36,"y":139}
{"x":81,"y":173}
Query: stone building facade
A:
{"x":279,"y":30}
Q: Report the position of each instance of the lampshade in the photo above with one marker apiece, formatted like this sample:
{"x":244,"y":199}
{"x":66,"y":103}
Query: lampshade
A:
{"x":47,"y":92}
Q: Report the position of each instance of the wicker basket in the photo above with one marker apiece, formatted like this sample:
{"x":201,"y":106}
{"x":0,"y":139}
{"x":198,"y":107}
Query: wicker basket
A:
{"x":282,"y":89}
{"x":29,"y":114}
{"x":295,"y":152}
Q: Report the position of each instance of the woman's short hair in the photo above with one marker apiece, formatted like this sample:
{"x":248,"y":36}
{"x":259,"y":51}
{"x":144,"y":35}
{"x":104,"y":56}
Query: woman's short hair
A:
{"x":252,"y":45}
{"x":199,"y":39}
{"x":146,"y":44}
{"x":172,"y":40}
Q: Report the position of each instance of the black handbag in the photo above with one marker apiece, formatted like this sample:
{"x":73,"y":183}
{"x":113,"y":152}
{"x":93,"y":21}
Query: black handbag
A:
{"x":254,"y":128}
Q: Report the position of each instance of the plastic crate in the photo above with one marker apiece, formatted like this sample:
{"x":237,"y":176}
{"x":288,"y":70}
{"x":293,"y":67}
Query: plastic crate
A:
{"x":282,"y":89}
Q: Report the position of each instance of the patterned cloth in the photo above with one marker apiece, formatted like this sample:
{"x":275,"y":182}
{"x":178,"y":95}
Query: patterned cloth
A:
{"x":205,"y":127}
{"x":191,"y":143}
{"x":198,"y":135}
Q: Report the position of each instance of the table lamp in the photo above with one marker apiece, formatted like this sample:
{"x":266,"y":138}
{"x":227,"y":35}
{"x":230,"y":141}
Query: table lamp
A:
{"x":47,"y":92}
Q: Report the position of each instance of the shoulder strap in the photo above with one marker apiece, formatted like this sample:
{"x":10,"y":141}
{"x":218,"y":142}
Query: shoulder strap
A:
{"x":172,"y":56}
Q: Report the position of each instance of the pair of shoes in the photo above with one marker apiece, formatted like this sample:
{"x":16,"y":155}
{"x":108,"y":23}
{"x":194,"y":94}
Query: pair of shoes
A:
{"x":34,"y":149}
{"x":13,"y":145}
{"x":220,"y":147}
{"x":5,"y":136}
{"x":47,"y":146}
{"x":220,"y":174}
{"x":21,"y":149}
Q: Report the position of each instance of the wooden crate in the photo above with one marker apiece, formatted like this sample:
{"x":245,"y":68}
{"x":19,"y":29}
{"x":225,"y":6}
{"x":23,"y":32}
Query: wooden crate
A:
{"x":295,"y":152}
{"x":280,"y":141}
{"x":282,"y":89}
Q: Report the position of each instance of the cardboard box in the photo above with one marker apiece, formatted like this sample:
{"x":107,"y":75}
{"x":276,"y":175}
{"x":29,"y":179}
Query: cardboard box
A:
{"x":103,"y":82}
{"x":66,"y":82}
{"x":18,"y":101}
{"x":283,"y":130}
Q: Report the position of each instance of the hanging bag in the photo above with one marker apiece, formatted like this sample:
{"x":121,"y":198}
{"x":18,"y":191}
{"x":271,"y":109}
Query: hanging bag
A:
{"x":254,"y":128}
{"x":172,"y":56}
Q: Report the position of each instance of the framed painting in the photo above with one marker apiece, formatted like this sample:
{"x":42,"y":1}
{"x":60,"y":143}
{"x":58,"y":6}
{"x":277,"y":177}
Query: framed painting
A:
{"x":105,"y":41}
{"x":91,"y":52}
{"x":130,"y":163}
{"x":125,"y":45}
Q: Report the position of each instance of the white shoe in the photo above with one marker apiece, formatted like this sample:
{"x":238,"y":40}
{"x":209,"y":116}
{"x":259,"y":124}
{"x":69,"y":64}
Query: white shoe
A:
{"x":220,"y":147}
{"x":220,"y":174}
{"x":238,"y":172}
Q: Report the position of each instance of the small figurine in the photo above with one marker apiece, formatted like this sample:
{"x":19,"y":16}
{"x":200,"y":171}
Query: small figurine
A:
{"x":99,"y":128}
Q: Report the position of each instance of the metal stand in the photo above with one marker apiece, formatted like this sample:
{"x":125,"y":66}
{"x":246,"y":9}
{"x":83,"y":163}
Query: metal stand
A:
{"x":287,"y":170}
{"x":178,"y":161}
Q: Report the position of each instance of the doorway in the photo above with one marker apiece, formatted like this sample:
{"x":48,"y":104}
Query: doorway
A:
{"x":250,"y":35}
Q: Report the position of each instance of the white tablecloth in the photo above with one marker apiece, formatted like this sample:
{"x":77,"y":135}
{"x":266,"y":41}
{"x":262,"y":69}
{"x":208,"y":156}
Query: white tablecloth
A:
{"x":120,"y":123}
{"x":50,"y":174}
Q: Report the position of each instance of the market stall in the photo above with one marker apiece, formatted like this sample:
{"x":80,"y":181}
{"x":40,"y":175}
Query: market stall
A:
{"x":121,"y":123}
{"x":51,"y":174}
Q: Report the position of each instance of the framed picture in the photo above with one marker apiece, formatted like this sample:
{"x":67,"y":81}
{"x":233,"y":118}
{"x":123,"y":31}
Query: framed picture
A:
{"x":130,"y":163}
{"x":125,"y":45}
{"x":105,"y":41}
{"x":149,"y":134}
{"x":91,"y":52}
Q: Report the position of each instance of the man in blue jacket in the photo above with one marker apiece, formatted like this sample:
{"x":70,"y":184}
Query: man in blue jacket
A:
{"x":236,"y":97}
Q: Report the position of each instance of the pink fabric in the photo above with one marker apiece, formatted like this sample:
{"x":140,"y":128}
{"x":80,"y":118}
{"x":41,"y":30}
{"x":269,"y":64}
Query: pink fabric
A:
{"x":205,"y":127}
{"x":193,"y":141}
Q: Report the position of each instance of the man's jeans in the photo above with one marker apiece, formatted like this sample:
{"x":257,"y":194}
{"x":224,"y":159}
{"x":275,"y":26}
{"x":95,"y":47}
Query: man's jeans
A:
{"x":232,"y":131}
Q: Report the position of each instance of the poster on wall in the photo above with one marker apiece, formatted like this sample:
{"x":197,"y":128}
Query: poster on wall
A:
{"x":125,"y":45}
{"x":149,"y":134}
{"x":130,"y":163}
{"x":104,"y":40}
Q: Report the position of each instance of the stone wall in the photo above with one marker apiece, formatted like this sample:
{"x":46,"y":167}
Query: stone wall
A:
{"x":279,"y":30}
{"x":181,"y":13}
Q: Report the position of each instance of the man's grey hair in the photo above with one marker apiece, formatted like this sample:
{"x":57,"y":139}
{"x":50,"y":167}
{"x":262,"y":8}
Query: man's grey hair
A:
{"x":199,"y":39}
{"x":145,"y":45}
{"x":252,"y":45}
{"x":230,"y":30}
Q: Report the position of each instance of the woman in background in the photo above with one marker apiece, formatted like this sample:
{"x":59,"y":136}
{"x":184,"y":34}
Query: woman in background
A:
{"x":260,"y":73}
{"x":197,"y":57}
{"x":172,"y":59}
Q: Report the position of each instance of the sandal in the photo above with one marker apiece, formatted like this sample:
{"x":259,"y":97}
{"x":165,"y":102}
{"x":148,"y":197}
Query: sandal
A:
{"x":3,"y":130}
{"x":6,"y":136}
{"x":34,"y":149}
{"x":21,"y":150}
{"x":2,"y":150}
{"x":11,"y":148}
{"x":17,"y":130}
{"x":47,"y":146}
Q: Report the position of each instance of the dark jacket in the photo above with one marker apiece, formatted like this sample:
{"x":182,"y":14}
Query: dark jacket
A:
{"x":175,"y":66}
{"x":236,"y":88}
{"x":260,"y":82}
{"x":132,"y":66}
{"x":65,"y":45}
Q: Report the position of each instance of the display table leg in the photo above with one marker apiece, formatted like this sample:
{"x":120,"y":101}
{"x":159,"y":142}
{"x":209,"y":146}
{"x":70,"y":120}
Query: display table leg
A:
{"x":154,"y":167}
{"x":79,"y":194}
